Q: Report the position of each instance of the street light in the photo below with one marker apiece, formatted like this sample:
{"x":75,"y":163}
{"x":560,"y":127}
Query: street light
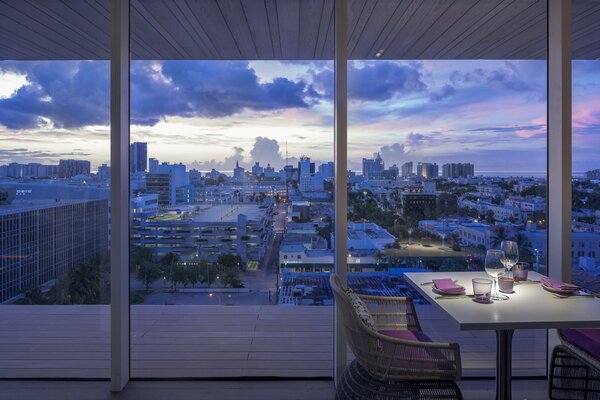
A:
{"x":537,"y":253}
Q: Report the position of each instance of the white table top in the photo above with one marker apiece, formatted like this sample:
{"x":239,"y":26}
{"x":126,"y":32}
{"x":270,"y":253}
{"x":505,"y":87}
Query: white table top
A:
{"x":529,"y":307}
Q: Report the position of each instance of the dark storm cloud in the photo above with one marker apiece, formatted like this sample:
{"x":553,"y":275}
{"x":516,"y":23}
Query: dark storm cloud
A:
{"x":73,"y":94}
{"x":378,"y":81}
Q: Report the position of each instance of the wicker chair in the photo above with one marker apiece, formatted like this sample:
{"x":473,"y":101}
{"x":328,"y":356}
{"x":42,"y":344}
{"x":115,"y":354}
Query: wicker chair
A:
{"x":574,"y":373}
{"x":388,"y":367}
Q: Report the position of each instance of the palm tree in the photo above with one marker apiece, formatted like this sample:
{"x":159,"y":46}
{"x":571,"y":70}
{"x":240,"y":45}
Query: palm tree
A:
{"x":500,"y":234}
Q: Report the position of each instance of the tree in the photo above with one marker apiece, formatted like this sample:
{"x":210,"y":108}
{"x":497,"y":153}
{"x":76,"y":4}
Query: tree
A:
{"x":500,"y":234}
{"x":148,"y":273}
{"x":489,"y":217}
{"x":229,"y":260}
{"x":230,"y":276}
{"x":168,"y":262}
{"x":325,"y":233}
{"x":139,"y":256}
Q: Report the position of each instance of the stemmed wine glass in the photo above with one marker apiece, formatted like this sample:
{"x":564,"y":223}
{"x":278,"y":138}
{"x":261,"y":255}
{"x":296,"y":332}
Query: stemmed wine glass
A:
{"x":494,"y":265}
{"x":511,"y":253}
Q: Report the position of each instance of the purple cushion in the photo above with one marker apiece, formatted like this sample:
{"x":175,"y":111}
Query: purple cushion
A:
{"x":586,"y":339}
{"x":406,"y":335}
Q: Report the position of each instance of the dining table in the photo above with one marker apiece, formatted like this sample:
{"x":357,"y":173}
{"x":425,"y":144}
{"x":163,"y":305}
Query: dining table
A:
{"x":529,"y":306}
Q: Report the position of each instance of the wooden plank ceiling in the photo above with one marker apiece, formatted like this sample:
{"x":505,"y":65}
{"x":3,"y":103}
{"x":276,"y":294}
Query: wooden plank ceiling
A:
{"x":292,"y":29}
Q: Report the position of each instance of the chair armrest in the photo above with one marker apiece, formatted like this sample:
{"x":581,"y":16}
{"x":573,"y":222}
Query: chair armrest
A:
{"x":392,"y":312}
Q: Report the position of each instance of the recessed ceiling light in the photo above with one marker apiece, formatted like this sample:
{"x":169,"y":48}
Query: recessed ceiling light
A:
{"x":379,"y":53}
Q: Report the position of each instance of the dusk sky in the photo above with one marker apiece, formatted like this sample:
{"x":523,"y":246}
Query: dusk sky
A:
{"x":212,"y":113}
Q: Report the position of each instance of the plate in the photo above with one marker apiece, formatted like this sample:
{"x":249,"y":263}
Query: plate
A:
{"x":445,"y":293}
{"x":559,"y":291}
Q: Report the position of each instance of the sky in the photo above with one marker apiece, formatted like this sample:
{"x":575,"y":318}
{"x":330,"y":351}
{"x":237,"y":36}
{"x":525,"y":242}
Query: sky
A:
{"x":210,"y":114}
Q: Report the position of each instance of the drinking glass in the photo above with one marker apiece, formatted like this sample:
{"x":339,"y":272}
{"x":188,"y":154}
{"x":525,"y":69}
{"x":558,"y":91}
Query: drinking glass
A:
{"x":482,"y":289}
{"x":494,"y":265}
{"x":511,"y":253}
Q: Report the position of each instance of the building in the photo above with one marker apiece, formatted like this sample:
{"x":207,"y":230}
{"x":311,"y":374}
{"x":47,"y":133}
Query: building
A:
{"x":257,"y":169}
{"x":368,"y":236}
{"x":104,"y":172}
{"x":504,"y":213}
{"x":42,"y":239}
{"x":417,"y":201}
{"x":373,"y":168}
{"x":406,"y":169}
{"x":460,"y":170}
{"x":162,"y":185}
{"x":593,"y":175}
{"x":327,"y":170}
{"x":138,"y":157}
{"x":195,"y":232}
{"x":238,"y":172}
{"x":70,"y":168}
{"x":428,"y":170}
{"x":527,"y":204}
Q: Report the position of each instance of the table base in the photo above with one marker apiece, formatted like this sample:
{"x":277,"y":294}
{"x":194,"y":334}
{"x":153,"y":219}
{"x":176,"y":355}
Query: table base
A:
{"x":504,"y":364}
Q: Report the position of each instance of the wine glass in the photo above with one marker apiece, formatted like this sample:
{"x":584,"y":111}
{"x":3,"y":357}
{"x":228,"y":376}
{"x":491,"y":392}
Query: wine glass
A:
{"x":511,"y":253}
{"x":494,"y":265}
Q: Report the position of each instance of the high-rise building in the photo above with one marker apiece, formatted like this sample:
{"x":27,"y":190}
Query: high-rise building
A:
{"x":327,"y":170}
{"x":305,"y":168}
{"x":460,"y":170}
{"x":138,"y":157}
{"x":41,"y":240}
{"x":373,"y":168}
{"x":428,"y":170}
{"x":71,"y":168}
{"x":407,"y":169}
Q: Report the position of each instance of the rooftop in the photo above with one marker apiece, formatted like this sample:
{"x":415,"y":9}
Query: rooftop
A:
{"x":229,"y":213}
{"x":19,"y":206}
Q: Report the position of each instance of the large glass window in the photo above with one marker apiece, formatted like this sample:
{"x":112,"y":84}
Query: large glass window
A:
{"x":54,"y":190}
{"x":585,"y":237}
{"x":231,"y":184}
{"x":447,"y":143}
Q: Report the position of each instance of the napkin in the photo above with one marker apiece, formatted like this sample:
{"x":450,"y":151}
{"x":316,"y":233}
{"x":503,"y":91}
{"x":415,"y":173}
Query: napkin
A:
{"x":447,"y":285}
{"x":557,"y":284}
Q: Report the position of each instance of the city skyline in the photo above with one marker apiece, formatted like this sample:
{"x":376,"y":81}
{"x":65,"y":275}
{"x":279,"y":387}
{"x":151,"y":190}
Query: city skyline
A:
{"x":210,"y":114}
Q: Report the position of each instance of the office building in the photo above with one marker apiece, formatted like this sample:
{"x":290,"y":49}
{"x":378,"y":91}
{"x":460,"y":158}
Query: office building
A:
{"x":407,"y":169}
{"x":138,"y":157}
{"x":427,"y":170}
{"x":42,"y":239}
{"x":71,"y":168}
{"x":373,"y":168}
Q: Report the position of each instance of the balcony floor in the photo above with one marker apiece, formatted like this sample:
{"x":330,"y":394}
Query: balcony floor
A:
{"x":228,"y":390}
{"x":215,"y":341}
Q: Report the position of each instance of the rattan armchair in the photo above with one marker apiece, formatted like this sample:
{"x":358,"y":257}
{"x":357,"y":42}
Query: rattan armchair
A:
{"x":388,"y":358}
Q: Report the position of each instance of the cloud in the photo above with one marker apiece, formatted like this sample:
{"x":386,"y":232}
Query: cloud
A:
{"x":265,"y":151}
{"x":444,"y":92}
{"x":227,"y":164}
{"x":374,"y":81}
{"x":70,"y":94}
{"x":393,"y":154}
{"x":61,"y":94}
{"x":23,"y":155}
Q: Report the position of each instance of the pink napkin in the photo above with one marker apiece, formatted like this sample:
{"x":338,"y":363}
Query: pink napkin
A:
{"x":557,"y":284}
{"x":447,"y":285}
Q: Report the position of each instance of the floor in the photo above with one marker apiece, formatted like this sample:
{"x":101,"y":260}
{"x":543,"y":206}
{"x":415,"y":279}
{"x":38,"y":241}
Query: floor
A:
{"x":216,"y":341}
{"x":227,"y":390}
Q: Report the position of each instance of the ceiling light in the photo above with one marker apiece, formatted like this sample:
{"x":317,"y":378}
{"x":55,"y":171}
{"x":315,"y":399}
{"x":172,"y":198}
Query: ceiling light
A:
{"x":379,"y":53}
